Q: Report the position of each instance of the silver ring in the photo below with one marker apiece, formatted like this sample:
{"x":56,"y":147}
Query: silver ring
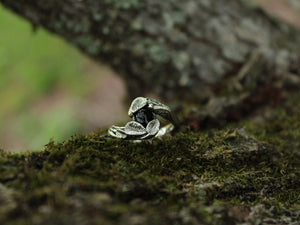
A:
{"x":145,"y":125}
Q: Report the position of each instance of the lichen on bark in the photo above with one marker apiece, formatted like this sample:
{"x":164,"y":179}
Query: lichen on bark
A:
{"x":174,"y":49}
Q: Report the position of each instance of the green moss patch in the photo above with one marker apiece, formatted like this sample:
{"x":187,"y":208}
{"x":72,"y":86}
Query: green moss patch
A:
{"x":214,"y":177}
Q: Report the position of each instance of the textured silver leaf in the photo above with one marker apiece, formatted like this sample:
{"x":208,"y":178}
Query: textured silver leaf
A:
{"x":133,"y":128}
{"x":137,"y":104}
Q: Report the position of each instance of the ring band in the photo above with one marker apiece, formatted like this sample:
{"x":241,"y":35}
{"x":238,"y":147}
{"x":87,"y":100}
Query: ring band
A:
{"x":145,"y":125}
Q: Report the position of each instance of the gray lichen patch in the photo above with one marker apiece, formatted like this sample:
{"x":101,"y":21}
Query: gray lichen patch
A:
{"x":173,"y":44}
{"x":8,"y":201}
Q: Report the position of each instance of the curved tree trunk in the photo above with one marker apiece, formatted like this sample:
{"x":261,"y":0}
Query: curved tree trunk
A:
{"x":175,"y":49}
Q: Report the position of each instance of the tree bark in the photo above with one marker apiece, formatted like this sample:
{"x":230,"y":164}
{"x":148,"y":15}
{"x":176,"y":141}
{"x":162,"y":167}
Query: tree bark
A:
{"x":175,"y":49}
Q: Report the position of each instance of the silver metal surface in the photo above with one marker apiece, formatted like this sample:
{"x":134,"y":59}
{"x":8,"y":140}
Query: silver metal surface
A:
{"x":142,"y":109}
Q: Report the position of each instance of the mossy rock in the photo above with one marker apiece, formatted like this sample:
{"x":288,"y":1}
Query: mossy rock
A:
{"x":234,"y":175}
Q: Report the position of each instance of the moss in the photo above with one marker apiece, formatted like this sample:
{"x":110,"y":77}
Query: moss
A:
{"x":213,"y":177}
{"x":282,"y":128}
{"x":169,"y":176}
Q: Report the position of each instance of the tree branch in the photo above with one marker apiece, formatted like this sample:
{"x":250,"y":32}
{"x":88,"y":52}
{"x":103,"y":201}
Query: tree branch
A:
{"x":175,"y":49}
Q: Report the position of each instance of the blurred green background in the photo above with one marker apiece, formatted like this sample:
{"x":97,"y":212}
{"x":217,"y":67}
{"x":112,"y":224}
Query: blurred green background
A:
{"x":48,"y":89}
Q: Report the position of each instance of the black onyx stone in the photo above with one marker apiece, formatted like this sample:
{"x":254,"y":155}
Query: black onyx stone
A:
{"x":143,"y":116}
